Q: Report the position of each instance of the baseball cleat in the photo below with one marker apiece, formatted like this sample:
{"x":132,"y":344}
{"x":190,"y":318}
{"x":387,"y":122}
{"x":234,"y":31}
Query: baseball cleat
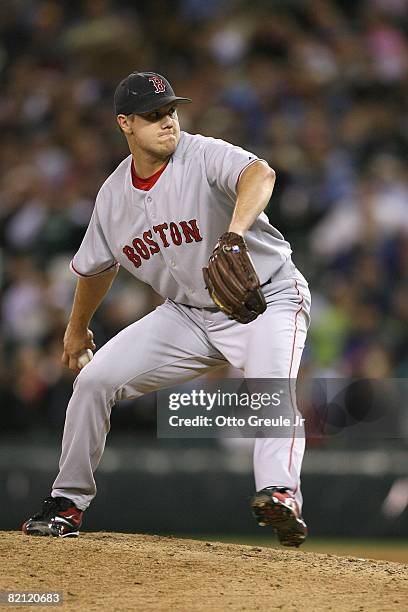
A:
{"x":59,"y":517}
{"x":277,"y":507}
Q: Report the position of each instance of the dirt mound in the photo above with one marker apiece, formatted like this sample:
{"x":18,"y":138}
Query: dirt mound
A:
{"x":117,"y":572}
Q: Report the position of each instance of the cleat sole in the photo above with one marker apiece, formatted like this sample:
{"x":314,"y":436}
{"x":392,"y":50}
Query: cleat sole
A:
{"x":290,"y":529}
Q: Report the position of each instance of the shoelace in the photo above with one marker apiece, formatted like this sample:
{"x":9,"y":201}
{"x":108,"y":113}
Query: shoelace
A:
{"x":51,"y":505}
{"x":278,"y":489}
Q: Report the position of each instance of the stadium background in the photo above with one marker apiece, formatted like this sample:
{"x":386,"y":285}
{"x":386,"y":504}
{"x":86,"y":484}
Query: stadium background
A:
{"x":318,"y":88}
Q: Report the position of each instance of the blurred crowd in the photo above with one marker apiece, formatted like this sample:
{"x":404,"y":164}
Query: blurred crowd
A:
{"x":318,"y":88}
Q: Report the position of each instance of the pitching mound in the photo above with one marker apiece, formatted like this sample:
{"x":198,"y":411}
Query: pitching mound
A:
{"x":117,"y":572}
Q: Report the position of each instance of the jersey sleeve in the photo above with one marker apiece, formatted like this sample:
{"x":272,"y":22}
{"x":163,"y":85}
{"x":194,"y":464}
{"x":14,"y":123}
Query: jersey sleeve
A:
{"x":224,"y":164}
{"x":93,"y":256}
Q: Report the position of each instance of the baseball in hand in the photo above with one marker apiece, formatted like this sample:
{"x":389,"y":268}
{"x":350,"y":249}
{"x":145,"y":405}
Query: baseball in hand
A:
{"x":84,"y":358}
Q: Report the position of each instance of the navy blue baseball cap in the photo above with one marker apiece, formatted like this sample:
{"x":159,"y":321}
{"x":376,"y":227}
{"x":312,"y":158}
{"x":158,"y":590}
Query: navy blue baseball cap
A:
{"x":143,"y":92}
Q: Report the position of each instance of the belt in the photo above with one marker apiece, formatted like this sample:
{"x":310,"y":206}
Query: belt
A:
{"x":285,"y":271}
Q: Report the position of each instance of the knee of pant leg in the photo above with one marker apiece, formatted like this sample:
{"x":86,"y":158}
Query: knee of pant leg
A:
{"x":97,"y":380}
{"x":92,"y":379}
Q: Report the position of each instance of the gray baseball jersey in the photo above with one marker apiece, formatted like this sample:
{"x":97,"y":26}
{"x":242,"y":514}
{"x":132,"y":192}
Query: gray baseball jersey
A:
{"x":165,"y":236}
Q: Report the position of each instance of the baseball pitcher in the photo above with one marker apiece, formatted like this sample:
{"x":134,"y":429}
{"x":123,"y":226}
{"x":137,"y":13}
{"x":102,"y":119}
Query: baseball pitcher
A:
{"x":183,"y":213}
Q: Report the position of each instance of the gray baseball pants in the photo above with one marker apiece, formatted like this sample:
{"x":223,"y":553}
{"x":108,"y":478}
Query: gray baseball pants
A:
{"x":176,"y":343}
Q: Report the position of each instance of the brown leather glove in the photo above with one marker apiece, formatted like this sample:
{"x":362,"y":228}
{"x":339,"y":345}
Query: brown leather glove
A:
{"x":232,"y":281}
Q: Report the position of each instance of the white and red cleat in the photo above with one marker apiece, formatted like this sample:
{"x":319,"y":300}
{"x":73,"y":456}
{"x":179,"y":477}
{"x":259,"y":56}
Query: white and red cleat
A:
{"x":277,"y":507}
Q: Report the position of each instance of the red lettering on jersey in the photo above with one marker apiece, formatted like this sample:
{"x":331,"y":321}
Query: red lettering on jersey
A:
{"x":154,"y":247}
{"x":159,"y":229}
{"x":141,"y":248}
{"x":175,"y":234}
{"x":158,"y":83}
{"x":191,"y":231}
{"x":132,"y":256}
{"x":144,"y":247}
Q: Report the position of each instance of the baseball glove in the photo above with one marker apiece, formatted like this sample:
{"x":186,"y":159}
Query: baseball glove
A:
{"x":232,"y":281}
